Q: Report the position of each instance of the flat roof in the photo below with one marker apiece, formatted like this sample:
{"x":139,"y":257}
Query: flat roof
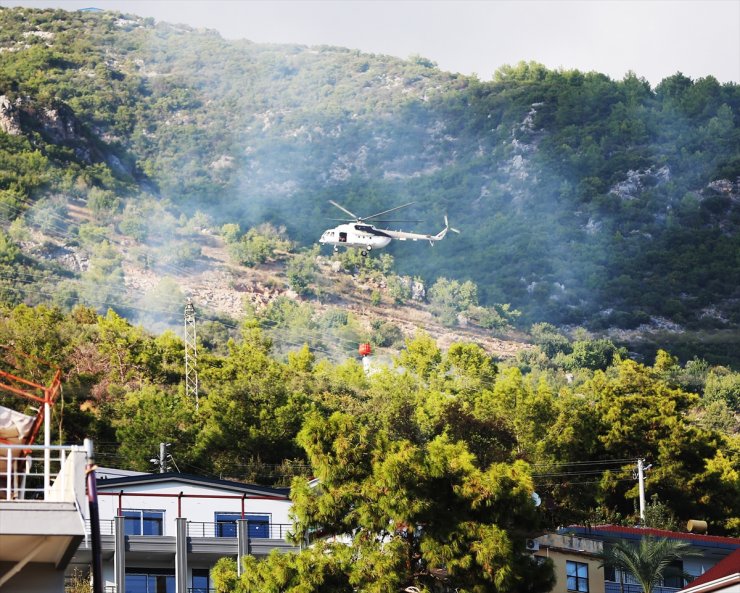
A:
{"x":190,"y":479}
{"x":620,"y":532}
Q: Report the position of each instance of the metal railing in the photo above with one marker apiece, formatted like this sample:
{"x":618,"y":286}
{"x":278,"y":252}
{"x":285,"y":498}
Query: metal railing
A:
{"x":112,"y":589}
{"x":28,"y":471}
{"x":256,"y":530}
{"x":612,"y":587}
{"x":107,"y":526}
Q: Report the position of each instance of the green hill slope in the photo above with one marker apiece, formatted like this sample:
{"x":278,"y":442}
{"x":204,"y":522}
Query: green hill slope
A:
{"x":582,"y":200}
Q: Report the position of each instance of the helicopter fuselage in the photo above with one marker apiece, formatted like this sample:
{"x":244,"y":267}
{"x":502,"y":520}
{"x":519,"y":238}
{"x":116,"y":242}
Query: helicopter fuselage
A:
{"x":363,"y":236}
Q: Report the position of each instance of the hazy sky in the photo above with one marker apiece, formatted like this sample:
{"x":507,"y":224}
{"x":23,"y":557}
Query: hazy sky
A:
{"x":653,"y":38}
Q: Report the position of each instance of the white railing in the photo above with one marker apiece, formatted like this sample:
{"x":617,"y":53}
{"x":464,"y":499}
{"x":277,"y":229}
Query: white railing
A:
{"x":53,"y":473}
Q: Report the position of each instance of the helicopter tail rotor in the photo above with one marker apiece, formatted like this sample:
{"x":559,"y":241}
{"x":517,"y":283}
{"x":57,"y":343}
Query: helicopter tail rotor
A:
{"x":448,"y":227}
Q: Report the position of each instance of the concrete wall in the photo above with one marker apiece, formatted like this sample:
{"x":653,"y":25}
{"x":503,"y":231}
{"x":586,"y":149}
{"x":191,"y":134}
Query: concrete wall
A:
{"x":33,"y":578}
{"x":561,"y":548}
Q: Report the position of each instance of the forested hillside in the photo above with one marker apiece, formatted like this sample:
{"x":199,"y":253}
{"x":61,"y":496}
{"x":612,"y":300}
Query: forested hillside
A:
{"x":582,"y":200}
{"x":436,"y":454}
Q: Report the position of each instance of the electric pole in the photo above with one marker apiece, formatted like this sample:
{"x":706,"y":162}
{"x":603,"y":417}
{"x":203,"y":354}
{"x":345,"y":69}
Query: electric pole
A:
{"x":191,"y":353}
{"x":163,"y":460}
{"x":641,"y":481}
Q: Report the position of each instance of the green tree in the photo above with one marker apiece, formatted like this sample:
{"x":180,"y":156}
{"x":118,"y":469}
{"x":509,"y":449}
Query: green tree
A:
{"x":257,"y":245}
{"x":641,"y":415}
{"x":248,"y":412}
{"x":321,"y":569}
{"x":450,"y":297}
{"x":103,"y":203}
{"x":420,"y":515}
{"x":147,"y":417}
{"x":301,"y":271}
{"x":590,"y":354}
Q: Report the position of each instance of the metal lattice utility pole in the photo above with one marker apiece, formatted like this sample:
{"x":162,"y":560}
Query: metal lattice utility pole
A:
{"x":191,"y":353}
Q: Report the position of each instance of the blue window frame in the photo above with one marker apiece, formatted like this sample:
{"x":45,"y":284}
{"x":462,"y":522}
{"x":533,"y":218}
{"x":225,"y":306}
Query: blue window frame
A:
{"x":257,"y":528}
{"x":143,"y":522}
{"x":226,"y":524}
{"x":201,"y":581}
{"x":149,"y":581}
{"x":577,"y":576}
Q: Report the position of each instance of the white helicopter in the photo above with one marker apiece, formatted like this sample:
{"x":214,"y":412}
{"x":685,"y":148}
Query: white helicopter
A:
{"x":356,"y":232}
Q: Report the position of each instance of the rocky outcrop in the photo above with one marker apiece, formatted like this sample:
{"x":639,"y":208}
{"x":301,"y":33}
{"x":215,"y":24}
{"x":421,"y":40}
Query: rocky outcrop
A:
{"x":59,"y":124}
{"x":9,"y":117}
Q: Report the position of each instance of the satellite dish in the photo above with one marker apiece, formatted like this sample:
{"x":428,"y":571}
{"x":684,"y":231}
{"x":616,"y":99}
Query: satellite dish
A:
{"x":536,"y":499}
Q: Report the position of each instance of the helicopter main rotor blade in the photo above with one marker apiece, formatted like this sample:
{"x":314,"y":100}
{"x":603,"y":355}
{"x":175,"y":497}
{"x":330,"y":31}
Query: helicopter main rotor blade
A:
{"x":385,"y":221}
{"x":343,"y":209}
{"x":387,"y":211}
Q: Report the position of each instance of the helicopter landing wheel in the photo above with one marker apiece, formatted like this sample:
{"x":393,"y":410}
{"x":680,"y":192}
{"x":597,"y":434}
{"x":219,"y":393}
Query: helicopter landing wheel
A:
{"x":363,"y":253}
{"x":336,"y":249}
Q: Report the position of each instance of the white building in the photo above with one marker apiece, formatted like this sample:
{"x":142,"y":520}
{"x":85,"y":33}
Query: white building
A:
{"x":43,"y":510}
{"x":162,"y":533}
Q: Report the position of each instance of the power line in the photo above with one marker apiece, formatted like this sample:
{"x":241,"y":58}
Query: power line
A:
{"x":598,"y":462}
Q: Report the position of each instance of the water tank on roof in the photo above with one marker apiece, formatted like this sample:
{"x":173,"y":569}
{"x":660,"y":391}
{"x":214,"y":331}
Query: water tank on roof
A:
{"x":696,"y":526}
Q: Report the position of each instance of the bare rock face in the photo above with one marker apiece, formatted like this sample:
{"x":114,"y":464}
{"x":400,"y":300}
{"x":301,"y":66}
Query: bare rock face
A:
{"x":418,"y":292}
{"x":59,"y":123}
{"x":9,"y":117}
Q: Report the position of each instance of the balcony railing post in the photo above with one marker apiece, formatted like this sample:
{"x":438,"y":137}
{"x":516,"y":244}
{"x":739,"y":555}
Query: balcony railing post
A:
{"x":181,"y":555}
{"x":119,"y":553}
{"x":8,"y":466}
{"x":47,"y":451}
{"x":242,"y":545}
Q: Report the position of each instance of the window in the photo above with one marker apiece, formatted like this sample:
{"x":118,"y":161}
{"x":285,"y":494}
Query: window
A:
{"x":142,"y":522}
{"x":200,"y":581}
{"x":577,"y":576}
{"x":610,"y":573}
{"x":146,"y":580}
{"x":226,"y":524}
{"x":257,"y":528}
{"x":673,"y":575}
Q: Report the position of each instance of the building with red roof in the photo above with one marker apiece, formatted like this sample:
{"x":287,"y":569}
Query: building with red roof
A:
{"x":723,"y":577}
{"x":582,"y":572}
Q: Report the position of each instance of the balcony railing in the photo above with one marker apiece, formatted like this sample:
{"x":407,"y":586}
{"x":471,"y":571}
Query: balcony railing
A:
{"x":256,"y":530}
{"x":112,"y":589}
{"x":107,"y":527}
{"x":42,"y":472}
{"x":612,"y":587}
